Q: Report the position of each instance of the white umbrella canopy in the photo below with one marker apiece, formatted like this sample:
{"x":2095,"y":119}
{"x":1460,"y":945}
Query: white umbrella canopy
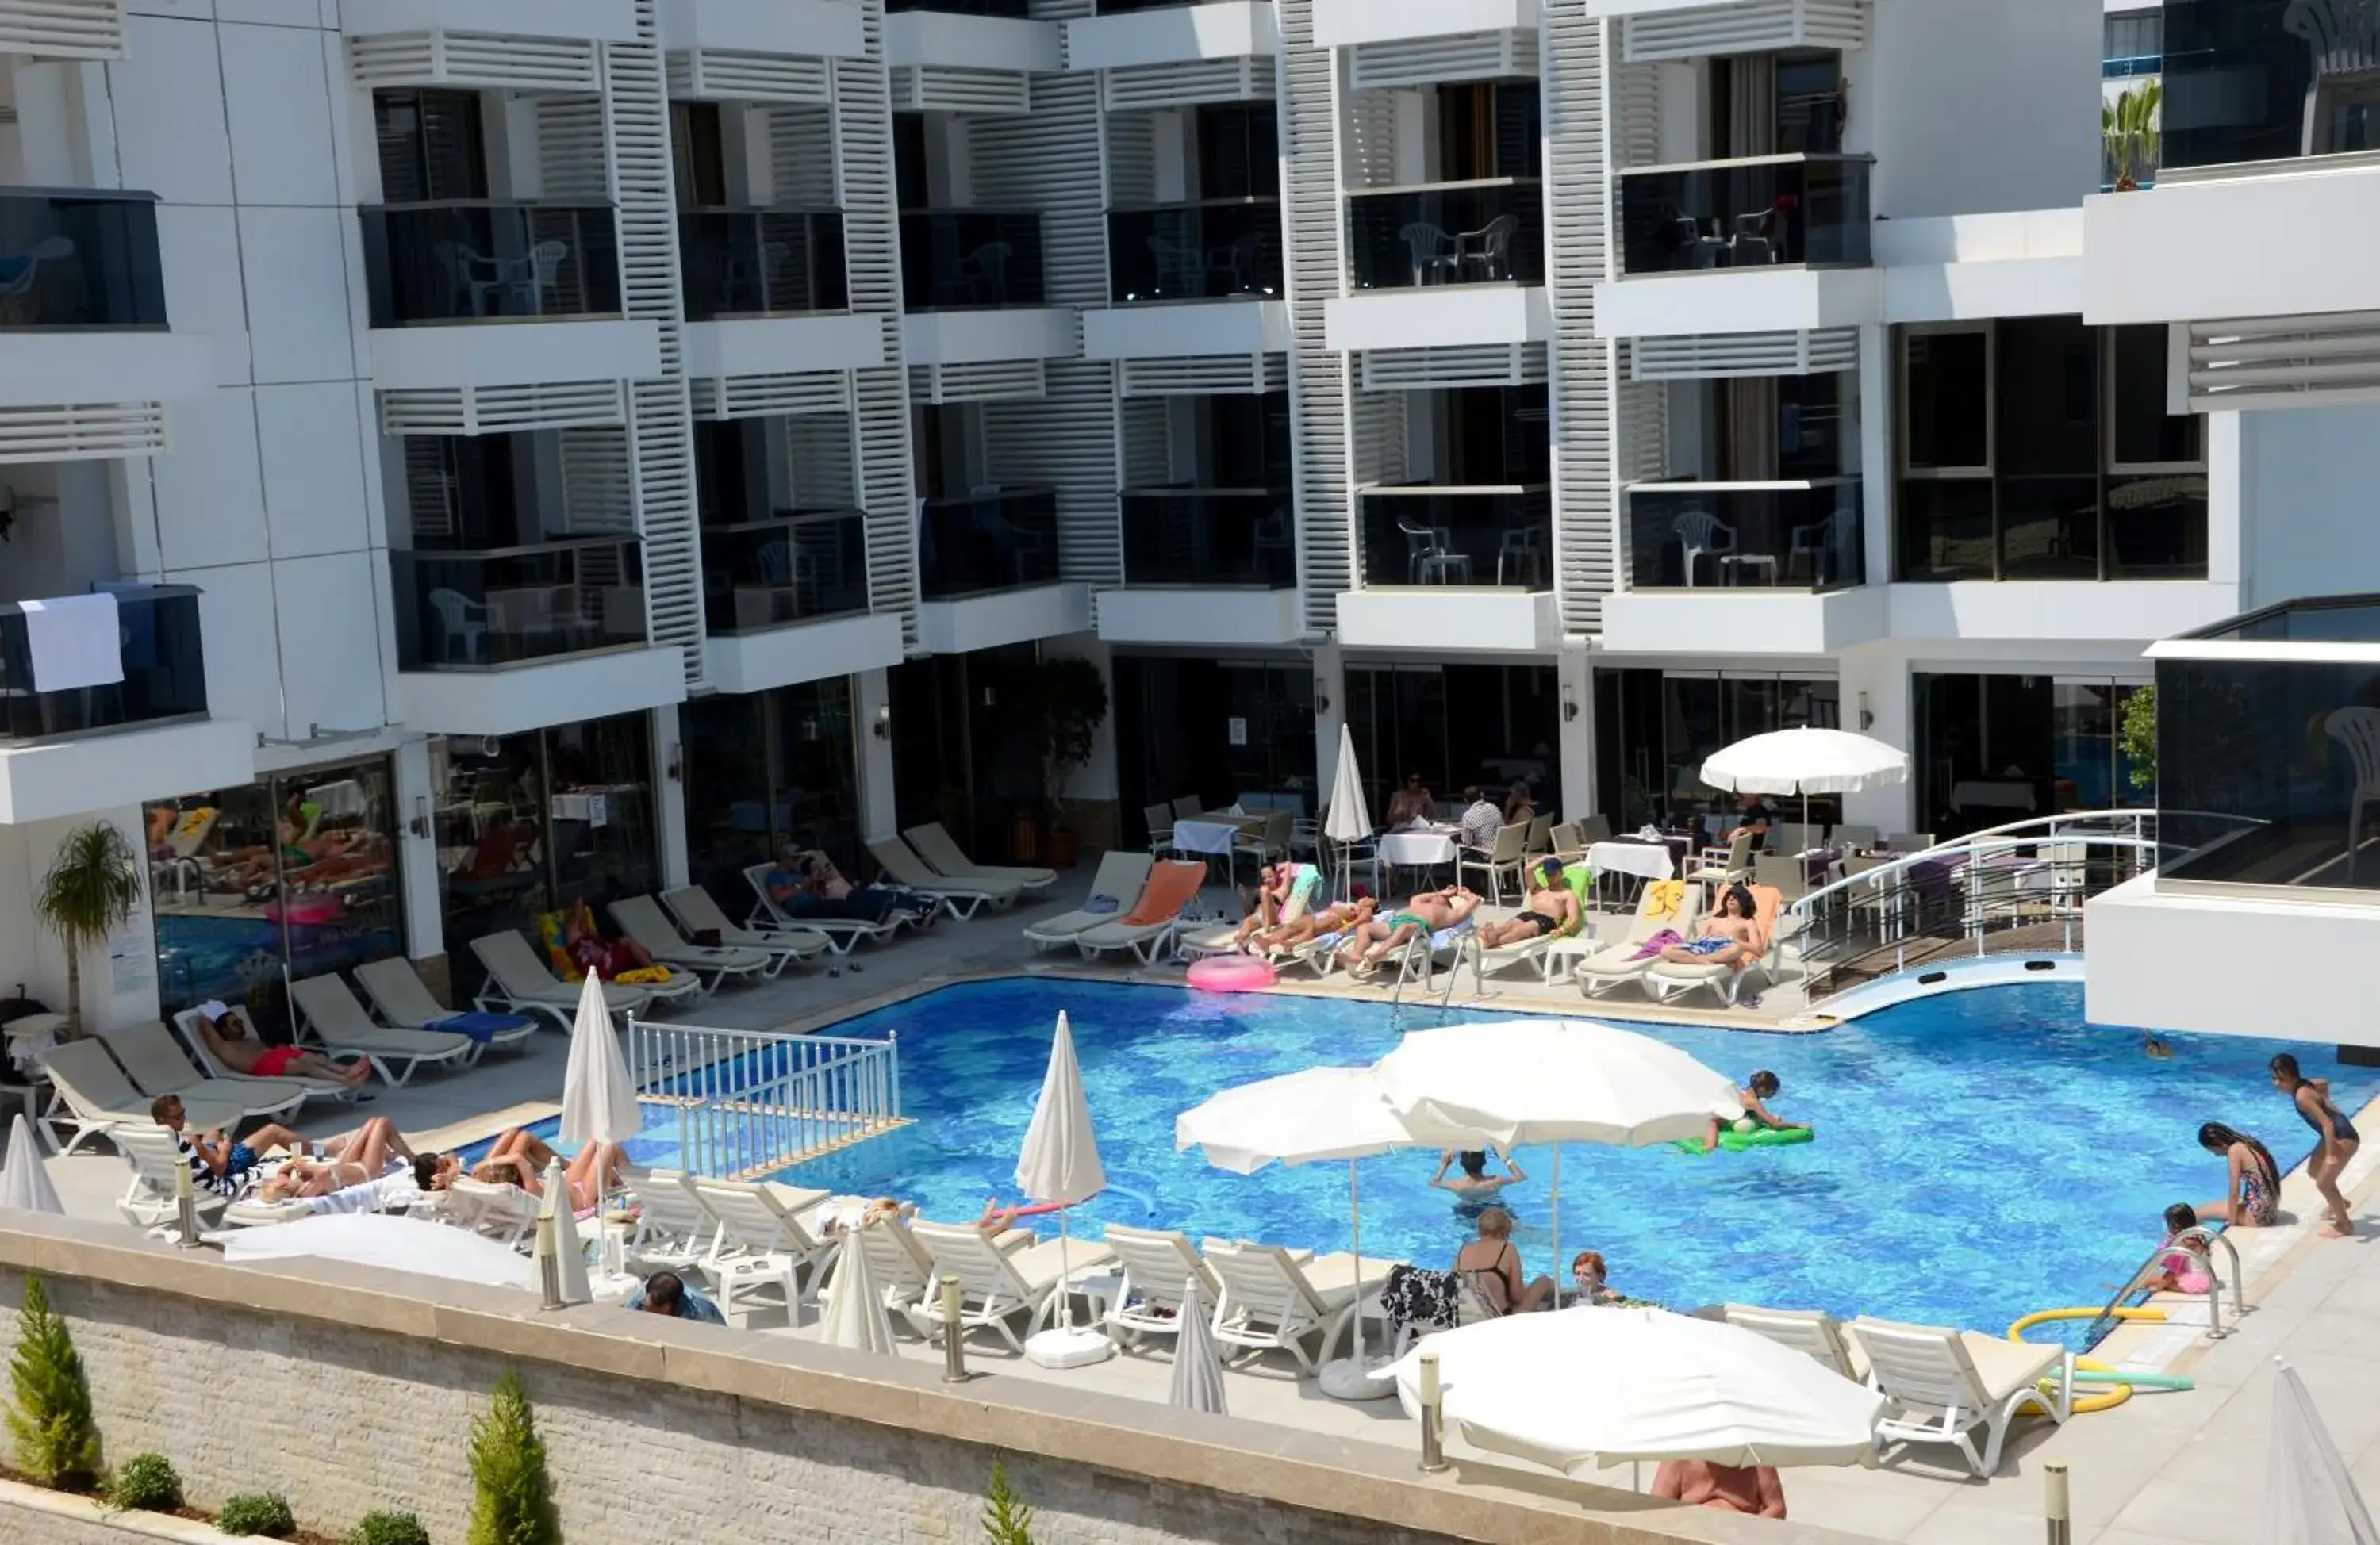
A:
{"x":599,"y":1101}
{"x":1542,"y":1080}
{"x":394,"y":1244}
{"x":1059,"y":1161}
{"x":856,"y":1317}
{"x":1591,"y":1387}
{"x":1805,"y":762}
{"x":1198,"y":1365}
{"x":2310,"y":1498}
{"x":1321,"y":1114}
{"x":24,"y":1184}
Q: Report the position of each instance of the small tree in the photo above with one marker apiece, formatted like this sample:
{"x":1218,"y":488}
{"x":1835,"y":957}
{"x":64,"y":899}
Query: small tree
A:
{"x":2129,"y":127}
{"x":512,"y":1500}
{"x":1006,"y":1519}
{"x":1073,"y":704}
{"x":57,"y":1441}
{"x":2136,"y":737}
{"x":92,"y":887}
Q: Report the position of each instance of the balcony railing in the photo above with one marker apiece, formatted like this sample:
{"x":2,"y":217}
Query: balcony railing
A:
{"x":1018,"y":9}
{"x":1237,"y":537}
{"x":1208,"y":250}
{"x":970,"y":260}
{"x":796,"y":566}
{"x":75,"y":260}
{"x":476,"y":260}
{"x":1468,"y":232}
{"x":1780,"y":536}
{"x":164,"y":671}
{"x":1125,"y":7}
{"x":760,"y":262}
{"x":1757,"y":212}
{"x":1419,"y":535}
{"x":506,"y":606}
{"x":999,"y":540}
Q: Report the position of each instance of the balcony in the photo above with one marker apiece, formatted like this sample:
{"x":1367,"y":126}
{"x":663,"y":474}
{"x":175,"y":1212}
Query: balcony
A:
{"x":1209,"y":538}
{"x":482,"y":261}
{"x":1489,"y":232}
{"x":1017,"y":10}
{"x":1774,"y":535}
{"x":1763,"y":212}
{"x":760,"y":262}
{"x":1214,"y":249}
{"x":488,"y":610}
{"x":1418,"y":535}
{"x":1352,"y":23}
{"x":1001,"y":540}
{"x":795,"y":566}
{"x":162,"y":665}
{"x":71,"y":260}
{"x":970,"y":260}
{"x":1146,"y":35}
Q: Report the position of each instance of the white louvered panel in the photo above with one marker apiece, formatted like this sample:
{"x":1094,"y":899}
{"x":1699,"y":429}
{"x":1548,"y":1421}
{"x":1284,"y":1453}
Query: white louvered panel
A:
{"x":942,"y":89}
{"x":1310,"y":104}
{"x":503,"y":410}
{"x":801,"y":158}
{"x":597,"y":485}
{"x":1636,"y":116}
{"x":872,"y":269}
{"x":571,"y":161}
{"x":1381,"y":66}
{"x":1578,"y":183}
{"x":438,"y":57}
{"x":1469,"y":364}
{"x":1368,"y":143}
{"x":818,"y":448}
{"x":1144,"y":449}
{"x":1140,"y":87}
{"x":2281,"y":362}
{"x":1642,"y":409}
{"x":1705,"y":356}
{"x":1130,"y":151}
{"x":63,"y":29}
{"x":1747,"y":27}
{"x":1378,"y":427}
{"x":1201,"y":374}
{"x":990,"y":381}
{"x":723,"y":75}
{"x":771,"y":397}
{"x":1067,"y":441}
{"x":82,"y":431}
{"x":660,"y":439}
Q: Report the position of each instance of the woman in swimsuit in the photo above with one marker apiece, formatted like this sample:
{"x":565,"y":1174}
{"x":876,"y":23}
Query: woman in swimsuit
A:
{"x":2340,"y":1140}
{"x":1492,"y":1267}
{"x":365,"y":1154}
{"x":519,"y":1158}
{"x":1340,"y":917}
{"x":2252,"y":1197}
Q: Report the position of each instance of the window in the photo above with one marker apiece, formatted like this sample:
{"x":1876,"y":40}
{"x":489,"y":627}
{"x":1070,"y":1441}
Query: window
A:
{"x":2249,"y":80}
{"x":1239,"y":151}
{"x":1248,"y":435}
{"x":912,"y":185}
{"x":431,"y":147}
{"x":766,"y":769}
{"x":2038,"y":448}
{"x":2133,"y":42}
{"x":1655,"y":729}
{"x":698,"y":145}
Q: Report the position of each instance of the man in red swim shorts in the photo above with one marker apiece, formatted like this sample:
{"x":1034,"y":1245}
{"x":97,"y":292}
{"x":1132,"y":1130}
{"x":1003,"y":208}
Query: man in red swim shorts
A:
{"x":225,"y":1032}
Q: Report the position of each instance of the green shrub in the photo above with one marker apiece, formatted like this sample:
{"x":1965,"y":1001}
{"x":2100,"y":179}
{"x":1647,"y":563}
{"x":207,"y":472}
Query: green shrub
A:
{"x":57,"y":1442}
{"x":264,"y":1513}
{"x":1006,"y":1519}
{"x":512,"y":1501}
{"x":146,"y":1483}
{"x":388,"y":1528}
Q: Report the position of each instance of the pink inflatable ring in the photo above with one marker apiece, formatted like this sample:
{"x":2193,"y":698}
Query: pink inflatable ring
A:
{"x":1231,"y":973}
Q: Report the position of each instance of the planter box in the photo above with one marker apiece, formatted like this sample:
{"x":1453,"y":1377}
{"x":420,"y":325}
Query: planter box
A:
{"x":58,"y":1518}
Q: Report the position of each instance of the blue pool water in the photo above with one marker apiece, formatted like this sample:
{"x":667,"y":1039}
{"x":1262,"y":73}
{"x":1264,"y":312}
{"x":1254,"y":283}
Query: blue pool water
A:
{"x":1980,"y":1153}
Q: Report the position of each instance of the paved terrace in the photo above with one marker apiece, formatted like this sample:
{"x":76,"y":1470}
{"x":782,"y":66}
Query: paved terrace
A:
{"x":2163,"y":1468}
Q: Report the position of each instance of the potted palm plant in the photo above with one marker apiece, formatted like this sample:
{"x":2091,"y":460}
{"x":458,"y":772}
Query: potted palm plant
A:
{"x":1073,"y":704}
{"x":91,"y":889}
{"x":2129,"y":128}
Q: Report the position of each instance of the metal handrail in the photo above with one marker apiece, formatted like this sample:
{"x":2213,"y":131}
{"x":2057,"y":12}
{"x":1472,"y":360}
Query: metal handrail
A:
{"x":2215,"y":1330}
{"x":2015,"y":834}
{"x":749,"y":1103}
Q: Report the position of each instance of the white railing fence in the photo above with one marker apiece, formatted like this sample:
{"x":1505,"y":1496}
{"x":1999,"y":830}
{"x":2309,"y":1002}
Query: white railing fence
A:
{"x":749,"y":1103}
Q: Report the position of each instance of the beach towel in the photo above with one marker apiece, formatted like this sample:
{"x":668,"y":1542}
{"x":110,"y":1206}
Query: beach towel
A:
{"x":482,"y":1028}
{"x":1169,"y":888}
{"x":1662,"y":898}
{"x":1304,"y":885}
{"x":1668,"y":939}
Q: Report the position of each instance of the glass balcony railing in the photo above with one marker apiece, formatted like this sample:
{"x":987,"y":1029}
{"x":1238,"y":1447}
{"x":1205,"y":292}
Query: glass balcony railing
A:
{"x":1209,"y":250}
{"x":760,"y":262}
{"x":476,"y":260}
{"x":508,"y":606}
{"x":995,"y":540}
{"x":1126,"y":7}
{"x":1418,"y":535}
{"x":1758,"y":213}
{"x":75,"y":260}
{"x":164,"y":671}
{"x":1243,"y":539}
{"x":1469,"y":233}
{"x":795,"y":566}
{"x":970,"y":259}
{"x":1777,"y":536}
{"x":1018,"y":9}
{"x":2249,"y":81}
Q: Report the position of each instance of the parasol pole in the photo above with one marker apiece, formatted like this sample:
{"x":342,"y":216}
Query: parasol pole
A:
{"x":1355,"y":1242}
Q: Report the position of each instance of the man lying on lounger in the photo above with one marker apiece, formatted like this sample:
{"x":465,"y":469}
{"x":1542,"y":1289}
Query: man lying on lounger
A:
{"x":1422,"y":916}
{"x":1552,"y":908}
{"x":1336,"y":918}
{"x":225,"y":1032}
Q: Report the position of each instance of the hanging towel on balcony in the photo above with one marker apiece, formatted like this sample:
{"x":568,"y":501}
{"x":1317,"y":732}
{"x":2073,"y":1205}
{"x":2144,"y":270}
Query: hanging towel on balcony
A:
{"x":74,"y":641}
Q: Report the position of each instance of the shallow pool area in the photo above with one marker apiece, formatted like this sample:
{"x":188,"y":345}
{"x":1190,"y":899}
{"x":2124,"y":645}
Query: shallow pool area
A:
{"x":1980,"y":1153}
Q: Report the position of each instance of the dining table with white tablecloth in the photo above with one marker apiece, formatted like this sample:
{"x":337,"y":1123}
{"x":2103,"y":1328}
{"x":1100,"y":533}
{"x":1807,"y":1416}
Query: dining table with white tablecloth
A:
{"x":1420,"y":846}
{"x":1633,"y":855}
{"x":1209,"y":834}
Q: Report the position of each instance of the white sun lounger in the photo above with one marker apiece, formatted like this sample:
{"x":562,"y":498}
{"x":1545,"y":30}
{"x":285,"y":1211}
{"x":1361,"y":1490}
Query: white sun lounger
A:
{"x":388,"y":1193}
{"x":1615,"y":965}
{"x":997,"y":1286}
{"x":500,"y":1209}
{"x":964,"y":897}
{"x":940,"y":851}
{"x":1120,"y":878}
{"x":1271,"y":1298}
{"x":673,"y":1231}
{"x":695,"y":910}
{"x":186,"y":1023}
{"x":1158,"y":1264}
{"x":152,"y":1059}
{"x":396,"y":991}
{"x":902,"y":1268}
{"x":518,"y":984}
{"x":1808,"y":1331}
{"x":98,"y":1098}
{"x":157,"y":1164}
{"x":762,"y":1244}
{"x":840,"y":933}
{"x":649,"y":925}
{"x":1670,"y":979}
{"x":1146,"y":941}
{"x":1941,"y":1385}
{"x":340,"y":1025}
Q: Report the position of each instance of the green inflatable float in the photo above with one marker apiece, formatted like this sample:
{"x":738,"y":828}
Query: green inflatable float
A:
{"x":1748,"y":1133}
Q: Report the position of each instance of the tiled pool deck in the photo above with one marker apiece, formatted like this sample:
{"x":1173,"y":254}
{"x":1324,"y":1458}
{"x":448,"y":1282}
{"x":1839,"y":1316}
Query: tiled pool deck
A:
{"x":2160,"y":1468}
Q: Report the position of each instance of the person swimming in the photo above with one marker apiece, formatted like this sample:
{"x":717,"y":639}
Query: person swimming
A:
{"x":1474,"y":1186}
{"x":1762,"y":1086}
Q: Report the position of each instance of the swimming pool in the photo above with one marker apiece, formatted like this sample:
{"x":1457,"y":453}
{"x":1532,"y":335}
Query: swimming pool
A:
{"x":1980,"y":1153}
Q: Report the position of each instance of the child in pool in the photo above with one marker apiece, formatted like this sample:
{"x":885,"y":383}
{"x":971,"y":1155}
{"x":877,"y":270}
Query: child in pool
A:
{"x":2182,"y":1269}
{"x":1762,"y":1085}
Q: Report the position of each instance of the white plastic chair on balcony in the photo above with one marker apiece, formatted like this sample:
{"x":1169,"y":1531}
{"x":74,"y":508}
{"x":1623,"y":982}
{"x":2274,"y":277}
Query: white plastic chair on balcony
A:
{"x":1703,"y":534}
{"x":1524,"y":548}
{"x":1488,"y":249}
{"x":1430,"y":558}
{"x":2359,"y":730}
{"x":1433,"y":251}
{"x":1822,"y":545}
{"x":17,"y":273}
{"x":454,"y":610}
{"x":1180,"y":270}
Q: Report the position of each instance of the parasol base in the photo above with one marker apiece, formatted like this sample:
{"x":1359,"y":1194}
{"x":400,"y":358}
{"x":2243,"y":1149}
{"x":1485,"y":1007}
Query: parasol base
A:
{"x":1348,"y":1379}
{"x":1068,"y":1348}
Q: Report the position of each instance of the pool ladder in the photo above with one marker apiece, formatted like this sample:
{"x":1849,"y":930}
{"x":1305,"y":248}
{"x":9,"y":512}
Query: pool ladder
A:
{"x":1417,"y":950}
{"x":2215,"y":1330}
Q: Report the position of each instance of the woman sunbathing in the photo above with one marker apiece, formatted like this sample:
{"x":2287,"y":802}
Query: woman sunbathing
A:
{"x":1340,"y":917}
{"x":362,"y":1155}
{"x":519,"y":1158}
